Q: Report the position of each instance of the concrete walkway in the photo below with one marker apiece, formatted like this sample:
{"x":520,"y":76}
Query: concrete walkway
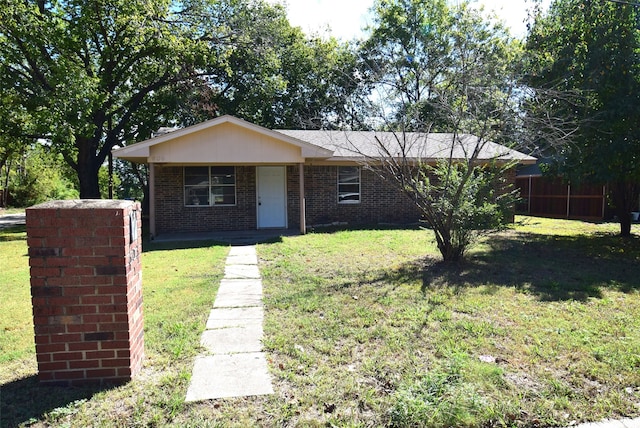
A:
{"x":612,"y":423}
{"x":234,"y":365}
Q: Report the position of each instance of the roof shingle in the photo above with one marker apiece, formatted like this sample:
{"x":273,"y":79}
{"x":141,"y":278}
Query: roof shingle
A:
{"x":432,"y":146}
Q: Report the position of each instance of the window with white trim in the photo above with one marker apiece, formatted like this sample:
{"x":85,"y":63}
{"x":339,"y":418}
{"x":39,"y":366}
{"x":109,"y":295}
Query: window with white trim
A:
{"x":209,"y":185}
{"x":348,"y":184}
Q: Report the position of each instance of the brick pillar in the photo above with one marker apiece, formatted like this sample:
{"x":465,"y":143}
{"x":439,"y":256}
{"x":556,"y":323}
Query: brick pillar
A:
{"x":86,"y":288}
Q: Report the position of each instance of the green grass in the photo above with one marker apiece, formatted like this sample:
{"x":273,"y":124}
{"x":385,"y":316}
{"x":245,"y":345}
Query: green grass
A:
{"x":539,"y":327}
{"x":16,"y":329}
{"x":179,"y":287}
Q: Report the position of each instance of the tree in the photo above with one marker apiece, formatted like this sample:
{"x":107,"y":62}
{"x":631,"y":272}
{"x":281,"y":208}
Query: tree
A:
{"x":90,"y":75}
{"x":38,"y":175}
{"x":96,"y":73}
{"x":276,"y":76}
{"x":592,"y":48}
{"x":431,"y":67}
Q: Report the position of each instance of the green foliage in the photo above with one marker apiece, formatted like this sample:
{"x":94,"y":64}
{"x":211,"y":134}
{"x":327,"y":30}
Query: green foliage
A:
{"x":592,"y":49}
{"x":105,"y":181}
{"x":39,"y":176}
{"x":92,"y":74}
{"x":461,"y":202}
{"x":408,"y":48}
{"x":443,"y":68}
{"x":132,"y":180}
{"x":274,"y":75}
{"x":436,"y":67}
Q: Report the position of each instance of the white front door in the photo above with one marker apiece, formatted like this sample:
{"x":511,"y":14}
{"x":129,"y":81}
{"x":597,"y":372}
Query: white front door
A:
{"x":272,"y":197}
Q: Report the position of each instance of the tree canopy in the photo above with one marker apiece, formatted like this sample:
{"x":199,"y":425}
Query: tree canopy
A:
{"x":275,"y":75}
{"x":592,"y":48}
{"x":88,"y":75}
{"x":431,"y":61}
{"x":93,"y":74}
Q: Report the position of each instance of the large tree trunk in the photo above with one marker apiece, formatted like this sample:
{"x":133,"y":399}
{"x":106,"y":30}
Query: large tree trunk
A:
{"x":87,"y":168}
{"x":624,"y":195}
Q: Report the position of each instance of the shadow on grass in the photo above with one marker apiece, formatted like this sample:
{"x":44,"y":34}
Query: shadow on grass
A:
{"x":13,"y":233}
{"x":148,"y":246}
{"x":25,"y":401}
{"x":554,"y":268}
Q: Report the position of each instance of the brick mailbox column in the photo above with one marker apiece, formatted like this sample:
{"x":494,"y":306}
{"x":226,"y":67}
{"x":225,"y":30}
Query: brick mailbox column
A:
{"x":86,"y":288}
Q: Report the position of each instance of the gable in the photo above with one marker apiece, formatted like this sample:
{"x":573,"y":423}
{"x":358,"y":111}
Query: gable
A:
{"x":222,"y":140}
{"x":225,"y":143}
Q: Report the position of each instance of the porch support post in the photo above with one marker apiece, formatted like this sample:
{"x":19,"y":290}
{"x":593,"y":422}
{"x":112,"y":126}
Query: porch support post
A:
{"x":152,"y":200}
{"x":303,"y":214}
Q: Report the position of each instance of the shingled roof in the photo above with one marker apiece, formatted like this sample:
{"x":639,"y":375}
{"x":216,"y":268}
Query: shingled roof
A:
{"x":428,"y":147}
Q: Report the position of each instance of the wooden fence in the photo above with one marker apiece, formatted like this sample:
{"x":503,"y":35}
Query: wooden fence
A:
{"x":548,"y":197}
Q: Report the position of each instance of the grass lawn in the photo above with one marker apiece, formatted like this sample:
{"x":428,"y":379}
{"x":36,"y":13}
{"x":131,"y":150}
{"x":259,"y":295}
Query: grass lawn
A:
{"x":179,"y":286}
{"x":540,"y":327}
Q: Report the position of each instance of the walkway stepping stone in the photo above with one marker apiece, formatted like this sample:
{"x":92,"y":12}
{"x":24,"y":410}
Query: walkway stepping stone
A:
{"x":242,"y":259}
{"x":233,"y":339}
{"x":229,"y":375}
{"x":241,"y":272}
{"x":234,"y":317}
{"x":234,"y":365}
{"x":234,"y":293}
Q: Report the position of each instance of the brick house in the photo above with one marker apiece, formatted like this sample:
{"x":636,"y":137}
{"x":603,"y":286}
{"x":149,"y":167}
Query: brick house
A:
{"x":229,"y":174}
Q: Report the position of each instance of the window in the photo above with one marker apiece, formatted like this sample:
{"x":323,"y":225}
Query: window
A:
{"x":209,"y":185}
{"x":348,"y":185}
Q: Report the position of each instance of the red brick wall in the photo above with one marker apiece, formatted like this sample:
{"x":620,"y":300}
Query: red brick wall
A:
{"x":173,"y":216}
{"x":380,"y":202}
{"x":86,"y":288}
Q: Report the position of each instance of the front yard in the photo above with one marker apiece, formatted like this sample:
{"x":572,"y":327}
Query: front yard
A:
{"x":365,"y":328}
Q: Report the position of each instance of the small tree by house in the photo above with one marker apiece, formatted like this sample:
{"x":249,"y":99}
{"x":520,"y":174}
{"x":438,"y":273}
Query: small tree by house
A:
{"x":439,"y":68}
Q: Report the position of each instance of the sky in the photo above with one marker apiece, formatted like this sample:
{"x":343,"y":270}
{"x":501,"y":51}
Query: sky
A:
{"x":345,"y":18}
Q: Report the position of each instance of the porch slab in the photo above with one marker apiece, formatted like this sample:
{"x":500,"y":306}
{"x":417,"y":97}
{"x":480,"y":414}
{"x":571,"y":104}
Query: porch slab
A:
{"x":234,"y":317}
{"x":217,"y":376}
{"x":246,"y":271}
{"x":234,"y":293}
{"x":233,"y":340}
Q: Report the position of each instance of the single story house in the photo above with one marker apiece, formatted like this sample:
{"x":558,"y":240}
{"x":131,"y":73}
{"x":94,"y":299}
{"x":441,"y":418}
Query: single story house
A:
{"x":228,"y":174}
